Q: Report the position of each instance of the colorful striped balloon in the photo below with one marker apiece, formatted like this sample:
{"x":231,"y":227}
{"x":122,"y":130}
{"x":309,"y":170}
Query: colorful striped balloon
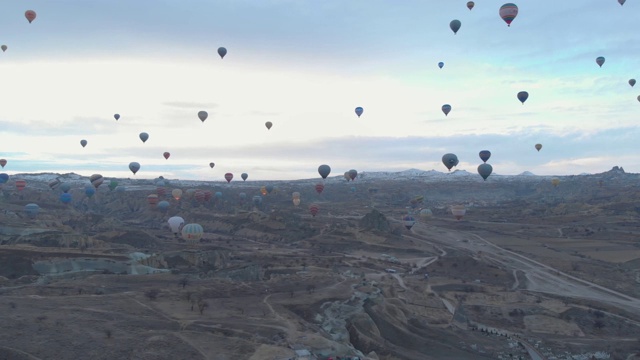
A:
{"x":508,"y":12}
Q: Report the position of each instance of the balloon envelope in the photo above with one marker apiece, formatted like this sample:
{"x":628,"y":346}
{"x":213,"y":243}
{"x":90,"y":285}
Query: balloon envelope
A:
{"x":96,"y":180}
{"x":65,"y":198}
{"x":144,"y":136}
{"x":228,"y":177}
{"x":32,"y":210}
{"x":116,"y":116}
{"x":508,"y":12}
{"x":538,"y":147}
{"x":176,"y":193}
{"x":458,"y":211}
{"x":244,"y":176}
{"x":4,"y":178}
{"x":268,"y":124}
{"x":632,"y":82}
{"x":203,"y":115}
{"x":408,"y":221}
{"x":449,"y":160}
{"x":470,"y":5}
{"x":359,"y":111}
{"x":211,"y":165}
{"x":4,"y":48}
{"x":176,"y":223}
{"x":222,"y":51}
{"x":455,"y":26}
{"x":192,"y":233}
{"x":30,"y":15}
{"x":446,"y":108}
{"x":83,"y":143}
{"x":523,"y":96}
{"x":485,"y":170}
{"x":600,"y":60}
{"x":440,"y":64}
{"x":3,"y":162}
{"x":621,"y":2}
{"x":485,"y":155}
{"x":352,"y":174}
{"x":166,"y":155}
{"x":134,"y":167}
{"x":324,"y":170}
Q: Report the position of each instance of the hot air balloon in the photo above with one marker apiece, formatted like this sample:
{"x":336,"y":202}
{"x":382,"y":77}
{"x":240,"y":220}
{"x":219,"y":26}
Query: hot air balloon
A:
{"x":4,"y":48}
{"x":152,"y":199}
{"x":83,"y":143}
{"x":353,"y":174}
{"x":21,"y":184}
{"x":222,"y":52}
{"x":228,"y":177}
{"x":508,"y":12}
{"x":3,"y":162}
{"x":177,"y":194}
{"x":65,"y":187}
{"x":242,"y":197}
{"x":211,"y":165}
{"x":203,"y":115}
{"x":538,"y":147}
{"x":163,"y":205}
{"x":296,"y":202}
{"x":425,"y":213}
{"x":359,"y":111}
{"x":161,"y":191}
{"x":89,"y":191}
{"x":134,"y":167}
{"x":408,"y":221}
{"x":485,"y":170}
{"x":555,"y":182}
{"x":324,"y":170}
{"x":116,"y":116}
{"x":175,"y":224}
{"x":30,"y":15}
{"x":638,"y":97}
{"x":244,"y":176}
{"x":600,"y":60}
{"x":449,"y":160}
{"x":470,"y":5}
{"x":458,"y":211}
{"x":347,"y":176}
{"x":455,"y":26}
{"x":269,"y":188}
{"x":144,"y":137}
{"x":446,"y":108}
{"x":65,"y":198}
{"x":192,"y":233}
{"x":268,"y":124}
{"x":96,"y":180}
{"x":319,"y":188}
{"x":523,"y":96}
{"x":621,"y":2}
{"x":485,"y":155}
{"x":4,"y":178}
{"x":632,"y":82}
{"x":54,"y":184}
{"x":166,"y":155}
{"x":440,"y":64}
{"x":113,"y":185}
{"x":32,"y":210}
{"x":257,"y":200}
{"x":295,"y":195}
{"x":313,"y":209}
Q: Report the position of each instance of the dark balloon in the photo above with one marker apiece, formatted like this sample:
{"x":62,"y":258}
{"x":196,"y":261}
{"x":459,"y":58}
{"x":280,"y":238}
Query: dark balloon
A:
{"x":523,"y":96}
{"x":485,"y":155}
{"x":324,"y":171}
{"x":455,"y":26}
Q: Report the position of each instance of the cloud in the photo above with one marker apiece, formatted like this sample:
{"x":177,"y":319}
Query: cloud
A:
{"x":190,"y":105}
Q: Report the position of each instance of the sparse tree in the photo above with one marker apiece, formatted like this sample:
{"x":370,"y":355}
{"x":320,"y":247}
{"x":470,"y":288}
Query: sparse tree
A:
{"x":184,"y":282}
{"x":152,"y":294}
{"x":79,"y":291}
{"x":202,"y":305}
{"x":291,"y":294}
{"x":598,"y":324}
{"x":108,"y":333}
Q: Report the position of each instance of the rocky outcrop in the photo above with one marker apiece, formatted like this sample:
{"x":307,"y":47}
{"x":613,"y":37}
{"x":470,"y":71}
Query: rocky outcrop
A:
{"x":375,"y":220}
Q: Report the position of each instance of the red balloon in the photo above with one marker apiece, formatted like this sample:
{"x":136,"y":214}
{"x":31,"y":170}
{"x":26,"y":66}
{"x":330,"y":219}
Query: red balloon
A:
{"x":30,"y":15}
{"x":21,"y":184}
{"x":3,"y":162}
{"x":166,"y":155}
{"x":152,"y":199}
{"x":313,"y":209}
{"x":319,"y":188}
{"x":228,"y":177}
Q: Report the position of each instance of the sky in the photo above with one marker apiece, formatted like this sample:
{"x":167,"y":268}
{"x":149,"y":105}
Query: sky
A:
{"x":305,"y":65}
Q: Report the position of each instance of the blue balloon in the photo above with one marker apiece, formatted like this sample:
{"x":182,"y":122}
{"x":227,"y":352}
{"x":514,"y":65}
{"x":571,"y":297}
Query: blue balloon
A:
{"x":4,"y":178}
{"x":89,"y":191}
{"x":163,"y":205}
{"x":218,"y":194}
{"x":65,"y":198}
{"x":359,"y":111}
{"x":440,"y":64}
